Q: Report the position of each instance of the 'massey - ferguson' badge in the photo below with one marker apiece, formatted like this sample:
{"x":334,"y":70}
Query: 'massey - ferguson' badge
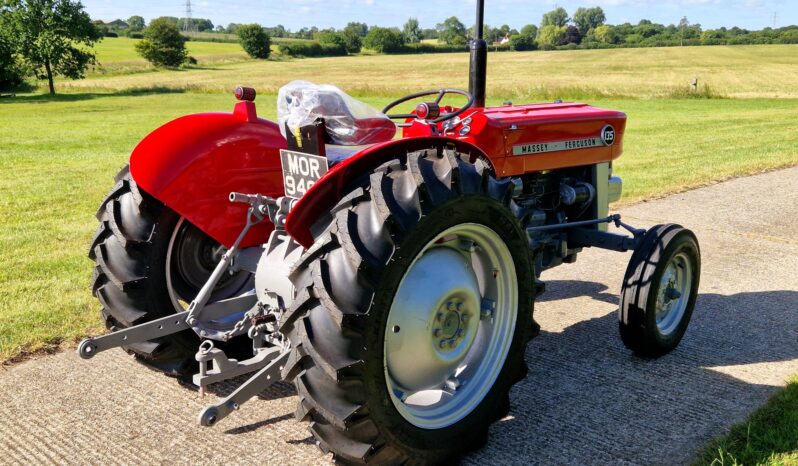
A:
{"x":605,"y":138}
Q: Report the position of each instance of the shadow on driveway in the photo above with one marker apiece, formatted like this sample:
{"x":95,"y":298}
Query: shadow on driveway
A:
{"x":587,"y":398}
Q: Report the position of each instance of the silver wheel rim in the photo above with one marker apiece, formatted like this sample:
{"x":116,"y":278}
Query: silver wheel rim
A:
{"x":233,"y":286}
{"x":673,"y":293}
{"x":450,"y":326}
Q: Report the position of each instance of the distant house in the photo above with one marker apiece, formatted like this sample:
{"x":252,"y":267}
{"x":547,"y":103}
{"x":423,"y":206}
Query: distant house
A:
{"x":118,"y":24}
{"x":505,"y":39}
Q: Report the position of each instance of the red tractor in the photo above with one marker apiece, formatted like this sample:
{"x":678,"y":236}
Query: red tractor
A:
{"x":392,"y":280}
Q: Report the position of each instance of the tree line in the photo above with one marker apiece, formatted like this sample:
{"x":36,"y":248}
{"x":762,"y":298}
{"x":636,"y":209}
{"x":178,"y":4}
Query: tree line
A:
{"x":48,"y":38}
{"x":557,"y":29}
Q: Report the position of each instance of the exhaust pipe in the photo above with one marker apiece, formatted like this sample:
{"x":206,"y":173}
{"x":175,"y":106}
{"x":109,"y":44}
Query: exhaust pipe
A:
{"x":479,"y":59}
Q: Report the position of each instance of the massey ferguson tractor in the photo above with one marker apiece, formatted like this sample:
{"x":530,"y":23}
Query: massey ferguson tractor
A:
{"x":392,"y":279}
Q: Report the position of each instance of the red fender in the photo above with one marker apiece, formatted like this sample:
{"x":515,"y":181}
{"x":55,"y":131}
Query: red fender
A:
{"x":329,"y":189}
{"x":191,"y":164}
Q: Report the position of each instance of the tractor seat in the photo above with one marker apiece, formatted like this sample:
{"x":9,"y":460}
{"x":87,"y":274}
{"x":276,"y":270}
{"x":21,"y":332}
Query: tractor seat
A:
{"x":347,"y":121}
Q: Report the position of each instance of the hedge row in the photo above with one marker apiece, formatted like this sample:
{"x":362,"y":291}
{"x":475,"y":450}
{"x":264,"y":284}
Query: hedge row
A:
{"x":312,"y":49}
{"x":315,"y":49}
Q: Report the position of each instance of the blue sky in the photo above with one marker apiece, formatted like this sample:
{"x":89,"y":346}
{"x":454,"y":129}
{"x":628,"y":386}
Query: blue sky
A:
{"x":294,"y":14}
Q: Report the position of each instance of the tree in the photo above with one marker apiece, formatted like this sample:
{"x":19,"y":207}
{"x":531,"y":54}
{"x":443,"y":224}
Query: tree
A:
{"x":352,"y":41}
{"x":231,"y":28}
{"x":254,"y":40}
{"x":51,"y":37}
{"x":136,"y":23}
{"x":556,"y":17}
{"x":572,"y":35}
{"x":452,"y":31}
{"x":430,"y":33}
{"x":412,"y":31}
{"x":11,"y":74}
{"x":589,"y":18}
{"x":529,"y":30}
{"x":196,"y":24}
{"x":552,"y":36}
{"x":162,"y":44}
{"x":521,"y":42}
{"x":169,"y":19}
{"x":606,"y":34}
{"x":384,"y":40}
{"x":361,"y":29}
{"x":332,"y":38}
{"x":788,"y":36}
{"x":277,"y":31}
{"x":683,"y":24}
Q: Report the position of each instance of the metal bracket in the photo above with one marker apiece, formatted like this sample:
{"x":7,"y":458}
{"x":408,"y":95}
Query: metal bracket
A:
{"x":260,"y":207}
{"x":578,"y":236}
{"x":256,"y":384}
{"x":601,"y":239}
{"x":136,"y":334}
{"x":223,"y":368}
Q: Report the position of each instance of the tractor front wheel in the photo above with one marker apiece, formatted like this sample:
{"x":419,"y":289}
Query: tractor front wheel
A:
{"x":412,"y":314}
{"x":659,"y":290}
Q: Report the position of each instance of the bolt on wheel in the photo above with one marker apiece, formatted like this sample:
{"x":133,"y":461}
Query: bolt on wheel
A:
{"x":674,"y":291}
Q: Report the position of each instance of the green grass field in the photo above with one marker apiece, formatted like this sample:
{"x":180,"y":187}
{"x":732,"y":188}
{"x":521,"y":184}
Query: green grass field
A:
{"x":765,"y":71}
{"x":117,"y":56}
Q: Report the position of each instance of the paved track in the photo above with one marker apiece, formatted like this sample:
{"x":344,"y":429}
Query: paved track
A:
{"x":586,"y":399}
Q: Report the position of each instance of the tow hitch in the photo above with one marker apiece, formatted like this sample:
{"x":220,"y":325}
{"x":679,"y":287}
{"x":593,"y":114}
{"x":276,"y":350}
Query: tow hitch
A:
{"x":270,"y":352}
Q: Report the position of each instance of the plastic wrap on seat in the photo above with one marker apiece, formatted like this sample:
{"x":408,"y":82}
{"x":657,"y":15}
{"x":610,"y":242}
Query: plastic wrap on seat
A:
{"x":348,"y":121}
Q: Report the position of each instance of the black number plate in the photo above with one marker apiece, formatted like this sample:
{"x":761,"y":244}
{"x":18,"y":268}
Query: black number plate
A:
{"x":301,"y":171}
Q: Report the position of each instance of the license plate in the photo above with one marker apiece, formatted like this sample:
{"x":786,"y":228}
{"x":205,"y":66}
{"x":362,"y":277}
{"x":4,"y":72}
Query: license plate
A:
{"x":301,"y":171}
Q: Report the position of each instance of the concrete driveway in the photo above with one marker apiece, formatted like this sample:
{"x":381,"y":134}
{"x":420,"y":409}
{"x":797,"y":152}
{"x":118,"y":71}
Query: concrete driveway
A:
{"x":586,"y":400}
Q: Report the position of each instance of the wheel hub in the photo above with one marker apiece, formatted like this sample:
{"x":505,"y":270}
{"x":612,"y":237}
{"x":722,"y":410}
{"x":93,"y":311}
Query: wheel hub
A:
{"x":450,"y":325}
{"x":429,"y":336}
{"x":674,"y":287}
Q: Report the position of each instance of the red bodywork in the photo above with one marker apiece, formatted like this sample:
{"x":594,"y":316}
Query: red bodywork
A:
{"x":191,"y":164}
{"x":493,"y":131}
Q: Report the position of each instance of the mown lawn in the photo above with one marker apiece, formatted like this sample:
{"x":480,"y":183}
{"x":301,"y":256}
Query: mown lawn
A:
{"x":768,"y":437}
{"x":116,"y":56}
{"x":760,"y":71}
{"x":58,"y":156}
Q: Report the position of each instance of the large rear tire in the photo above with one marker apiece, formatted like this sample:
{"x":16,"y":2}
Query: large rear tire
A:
{"x":425,"y":228}
{"x":145,"y":269}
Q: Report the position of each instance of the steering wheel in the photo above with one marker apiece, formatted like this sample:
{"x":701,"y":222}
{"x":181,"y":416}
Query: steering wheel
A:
{"x":429,"y":111}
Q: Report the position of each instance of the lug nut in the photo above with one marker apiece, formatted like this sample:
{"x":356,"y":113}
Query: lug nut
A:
{"x":450,"y":306}
{"x":452,"y":383}
{"x":436,"y":332}
{"x":439,"y":316}
{"x":442,"y":344}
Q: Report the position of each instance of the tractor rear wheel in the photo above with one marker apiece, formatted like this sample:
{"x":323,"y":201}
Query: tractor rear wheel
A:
{"x":412,"y":314}
{"x":150,"y":262}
